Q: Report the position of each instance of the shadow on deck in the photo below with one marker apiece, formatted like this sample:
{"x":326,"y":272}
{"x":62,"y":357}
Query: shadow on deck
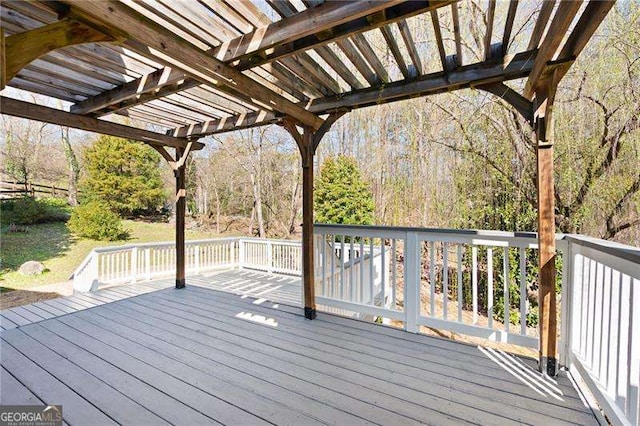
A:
{"x":201,"y":356}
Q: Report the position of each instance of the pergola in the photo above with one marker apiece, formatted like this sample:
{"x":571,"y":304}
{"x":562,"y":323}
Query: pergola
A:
{"x":197,"y":68}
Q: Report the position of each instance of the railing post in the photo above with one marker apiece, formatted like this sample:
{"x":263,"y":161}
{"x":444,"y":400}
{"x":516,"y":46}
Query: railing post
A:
{"x":147,"y":263}
{"x":412,"y":282}
{"x":566,"y":304}
{"x":241,"y":253}
{"x":95,"y":270}
{"x":232,"y":253}
{"x":196,"y":259}
{"x":134,"y":264}
{"x":269,"y":257}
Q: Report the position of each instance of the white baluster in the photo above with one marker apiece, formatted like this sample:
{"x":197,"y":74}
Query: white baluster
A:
{"x":474,"y":282}
{"x":134,"y":264}
{"x":445,"y":279}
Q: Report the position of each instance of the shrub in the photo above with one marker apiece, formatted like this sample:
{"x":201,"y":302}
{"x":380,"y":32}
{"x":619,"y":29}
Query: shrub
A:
{"x":29,"y":211}
{"x":96,"y":221}
{"x":342,"y":195}
{"x":124,"y":174}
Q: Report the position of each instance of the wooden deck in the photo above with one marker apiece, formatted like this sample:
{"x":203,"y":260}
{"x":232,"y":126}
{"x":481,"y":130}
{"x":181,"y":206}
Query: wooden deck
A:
{"x":204,"y":356}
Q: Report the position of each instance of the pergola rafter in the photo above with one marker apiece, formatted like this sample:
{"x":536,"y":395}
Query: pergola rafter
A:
{"x":509,"y":68}
{"x":281,"y":43}
{"x":152,"y":39}
{"x":199,"y":68}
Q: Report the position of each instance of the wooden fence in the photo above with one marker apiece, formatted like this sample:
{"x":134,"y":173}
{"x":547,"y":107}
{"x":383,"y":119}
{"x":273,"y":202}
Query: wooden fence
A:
{"x":14,"y":189}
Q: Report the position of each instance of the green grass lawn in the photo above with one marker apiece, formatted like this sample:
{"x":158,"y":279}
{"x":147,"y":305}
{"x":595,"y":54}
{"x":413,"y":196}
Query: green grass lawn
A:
{"x":61,"y":252}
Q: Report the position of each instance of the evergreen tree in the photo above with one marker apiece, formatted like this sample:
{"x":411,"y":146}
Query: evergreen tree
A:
{"x":124,"y":174}
{"x":341,"y":195}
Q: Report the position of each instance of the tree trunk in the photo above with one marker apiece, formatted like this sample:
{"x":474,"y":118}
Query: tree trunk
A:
{"x":257,"y":198}
{"x":217,"y":195}
{"x":253,"y":216}
{"x":294,"y":206}
{"x":74,"y":168}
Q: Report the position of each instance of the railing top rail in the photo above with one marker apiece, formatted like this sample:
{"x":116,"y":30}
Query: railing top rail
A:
{"x":161,"y":243}
{"x":109,"y":249}
{"x":270,"y":240}
{"x":83,"y":264}
{"x":447,"y":231}
{"x":621,"y":251}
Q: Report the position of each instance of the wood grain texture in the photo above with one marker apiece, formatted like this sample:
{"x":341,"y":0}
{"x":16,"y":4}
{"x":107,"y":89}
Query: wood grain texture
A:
{"x":160,"y":43}
{"x":505,"y":69}
{"x":508,"y":26}
{"x":22,"y":48}
{"x":562,"y":19}
{"x":32,"y":111}
{"x":3,"y":61}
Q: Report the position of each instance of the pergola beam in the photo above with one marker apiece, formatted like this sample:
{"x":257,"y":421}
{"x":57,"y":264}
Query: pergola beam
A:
{"x":589,"y":21}
{"x":133,"y":89}
{"x":395,"y":50}
{"x":437,"y":31}
{"x":411,"y":46}
{"x":562,"y":19}
{"x":23,"y":48}
{"x":161,"y":44}
{"x":541,"y":23}
{"x":508,"y":26}
{"x":456,"y":33}
{"x":491,"y":13}
{"x":508,"y":68}
{"x":58,"y":117}
{"x":316,"y":22}
{"x":363,"y":16}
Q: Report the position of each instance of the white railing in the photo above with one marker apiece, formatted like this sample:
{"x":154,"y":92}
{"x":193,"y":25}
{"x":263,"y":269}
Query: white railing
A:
{"x":273,"y":256}
{"x":132,"y":263}
{"x":446,"y":279}
{"x":350,"y":271}
{"x":601,"y":323}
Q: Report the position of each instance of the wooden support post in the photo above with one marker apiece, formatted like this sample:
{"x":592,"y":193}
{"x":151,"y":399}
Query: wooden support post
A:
{"x":546,"y":230}
{"x":181,"y":206}
{"x":307,"y":226}
{"x":547,"y":253}
{"x":307,"y":143}
{"x":3,"y":61}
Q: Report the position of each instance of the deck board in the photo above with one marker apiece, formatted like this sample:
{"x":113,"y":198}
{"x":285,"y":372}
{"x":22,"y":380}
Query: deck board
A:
{"x":42,"y":313}
{"x":305,"y":338}
{"x":49,"y":389}
{"x":360,"y":399}
{"x":26,"y":314}
{"x":231,"y":368}
{"x":36,"y":312}
{"x":166,"y":407}
{"x":223,"y":351}
{"x":110,"y":400}
{"x":14,"y":392}
{"x":234,"y":397}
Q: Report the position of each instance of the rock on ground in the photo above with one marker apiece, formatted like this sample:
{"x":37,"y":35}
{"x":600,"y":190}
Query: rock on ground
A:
{"x":32,"y":268}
